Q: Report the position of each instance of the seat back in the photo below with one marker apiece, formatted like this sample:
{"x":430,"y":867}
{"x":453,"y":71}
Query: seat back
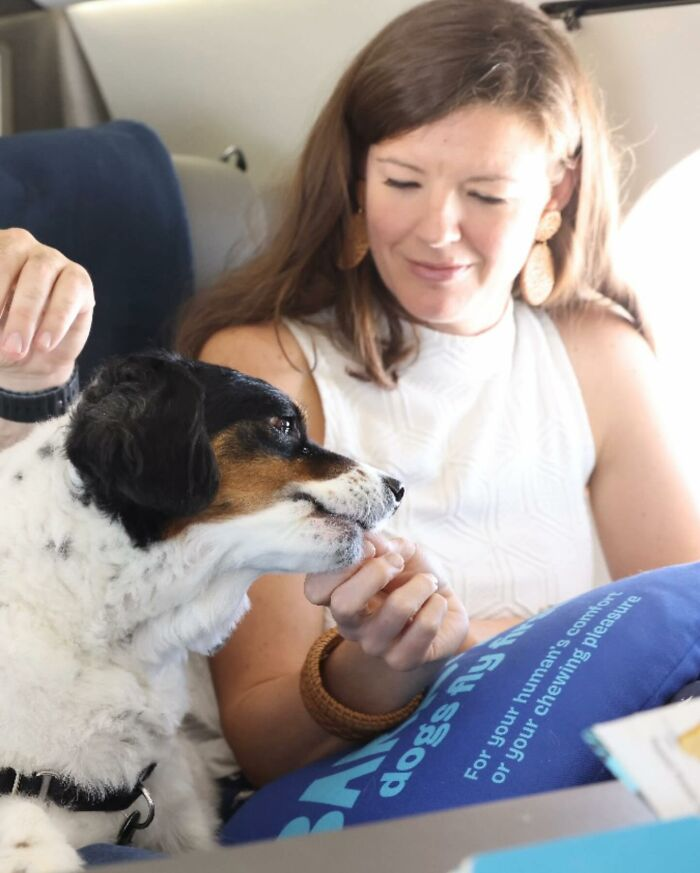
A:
{"x":109,"y":198}
{"x":225,"y":214}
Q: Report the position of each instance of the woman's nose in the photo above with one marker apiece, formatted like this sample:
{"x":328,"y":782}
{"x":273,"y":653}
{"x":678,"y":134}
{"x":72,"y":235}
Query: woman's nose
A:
{"x":440,"y":225}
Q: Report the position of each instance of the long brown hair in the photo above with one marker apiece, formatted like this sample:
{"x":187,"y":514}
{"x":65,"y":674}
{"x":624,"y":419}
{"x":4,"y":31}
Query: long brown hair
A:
{"x":435,"y":58}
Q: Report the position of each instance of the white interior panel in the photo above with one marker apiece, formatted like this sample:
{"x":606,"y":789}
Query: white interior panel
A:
{"x":647,"y":63}
{"x":207,"y":74}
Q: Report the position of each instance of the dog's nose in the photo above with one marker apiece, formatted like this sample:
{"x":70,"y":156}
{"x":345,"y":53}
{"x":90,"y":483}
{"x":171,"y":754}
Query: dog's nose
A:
{"x":395,"y":487}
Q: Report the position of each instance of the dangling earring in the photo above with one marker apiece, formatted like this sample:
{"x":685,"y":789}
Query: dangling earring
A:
{"x":537,"y":276}
{"x":355,"y":245}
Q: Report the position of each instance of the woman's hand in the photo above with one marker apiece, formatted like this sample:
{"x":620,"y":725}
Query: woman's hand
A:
{"x":393,"y":605}
{"x":46,"y":304}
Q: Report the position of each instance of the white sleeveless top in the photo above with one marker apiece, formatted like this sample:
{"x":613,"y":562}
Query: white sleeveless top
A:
{"x":490,"y":436}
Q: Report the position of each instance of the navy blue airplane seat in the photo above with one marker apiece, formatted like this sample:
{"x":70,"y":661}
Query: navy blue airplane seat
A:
{"x":107,"y":197}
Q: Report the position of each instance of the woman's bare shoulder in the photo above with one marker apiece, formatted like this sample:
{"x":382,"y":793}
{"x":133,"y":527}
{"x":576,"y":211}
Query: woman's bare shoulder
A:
{"x":265,"y":351}
{"x":600,"y":343}
{"x":599,"y":332}
{"x":614,"y":364}
{"x":270,"y":352}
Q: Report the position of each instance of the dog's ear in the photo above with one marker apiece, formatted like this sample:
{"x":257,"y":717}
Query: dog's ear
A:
{"x":138,"y":437}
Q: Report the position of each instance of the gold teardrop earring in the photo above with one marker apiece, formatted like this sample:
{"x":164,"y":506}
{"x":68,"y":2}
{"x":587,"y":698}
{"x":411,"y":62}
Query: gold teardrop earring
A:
{"x":537,"y":276}
{"x":355,"y":245}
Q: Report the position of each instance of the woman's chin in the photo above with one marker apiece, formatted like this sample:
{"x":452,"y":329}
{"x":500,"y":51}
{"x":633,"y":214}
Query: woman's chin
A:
{"x":465,"y":317}
{"x":447,"y":319}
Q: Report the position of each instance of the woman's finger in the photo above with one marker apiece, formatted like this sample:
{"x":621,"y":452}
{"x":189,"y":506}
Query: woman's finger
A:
{"x":398,"y":610}
{"x":319,"y":587}
{"x":383,"y":544}
{"x":350,"y":602}
{"x":412,"y":648}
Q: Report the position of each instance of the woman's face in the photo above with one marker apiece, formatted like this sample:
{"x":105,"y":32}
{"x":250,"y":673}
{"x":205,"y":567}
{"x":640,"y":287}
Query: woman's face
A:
{"x":452,"y":209}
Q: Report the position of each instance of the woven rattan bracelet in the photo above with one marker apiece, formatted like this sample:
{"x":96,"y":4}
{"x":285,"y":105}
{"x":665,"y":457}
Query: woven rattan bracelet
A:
{"x":329,"y":713}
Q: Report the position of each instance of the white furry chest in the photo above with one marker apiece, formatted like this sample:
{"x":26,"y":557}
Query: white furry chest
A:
{"x":79,"y":714}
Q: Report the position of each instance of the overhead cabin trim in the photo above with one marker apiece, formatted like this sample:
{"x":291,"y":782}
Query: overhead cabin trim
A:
{"x":571,"y":11}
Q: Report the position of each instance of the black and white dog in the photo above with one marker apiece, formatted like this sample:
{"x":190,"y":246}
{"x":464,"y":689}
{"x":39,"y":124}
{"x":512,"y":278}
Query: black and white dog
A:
{"x":130,"y":531}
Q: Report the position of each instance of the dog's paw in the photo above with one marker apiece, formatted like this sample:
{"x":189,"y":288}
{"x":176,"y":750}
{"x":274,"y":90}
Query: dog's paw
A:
{"x":27,"y":858}
{"x":31,"y":843}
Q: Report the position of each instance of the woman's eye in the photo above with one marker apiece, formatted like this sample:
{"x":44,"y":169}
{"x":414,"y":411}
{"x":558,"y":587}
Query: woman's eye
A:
{"x":486,"y":198}
{"x":401,"y":184}
{"x":283,"y":425}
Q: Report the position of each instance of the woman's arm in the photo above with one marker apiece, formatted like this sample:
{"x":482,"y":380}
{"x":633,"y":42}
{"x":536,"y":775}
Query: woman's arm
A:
{"x":256,"y":678}
{"x":256,"y":675}
{"x":645,"y":510}
{"x":46,"y":304}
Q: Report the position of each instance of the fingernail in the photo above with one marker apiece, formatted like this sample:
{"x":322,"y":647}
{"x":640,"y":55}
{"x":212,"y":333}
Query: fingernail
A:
{"x":394,"y":559}
{"x":434,"y":580}
{"x":379,"y":542}
{"x":13,"y":344}
{"x":368,"y":549}
{"x":405,"y":547}
{"x":44,"y":340}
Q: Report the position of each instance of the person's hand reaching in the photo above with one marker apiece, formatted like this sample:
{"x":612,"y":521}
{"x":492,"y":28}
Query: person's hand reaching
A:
{"x":46,"y":304}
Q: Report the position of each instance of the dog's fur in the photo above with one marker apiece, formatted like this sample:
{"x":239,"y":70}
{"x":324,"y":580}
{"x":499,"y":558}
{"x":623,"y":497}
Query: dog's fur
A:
{"x":130,"y":531}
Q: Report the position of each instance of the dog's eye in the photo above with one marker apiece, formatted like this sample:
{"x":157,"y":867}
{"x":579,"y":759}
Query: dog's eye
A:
{"x":283,"y":425}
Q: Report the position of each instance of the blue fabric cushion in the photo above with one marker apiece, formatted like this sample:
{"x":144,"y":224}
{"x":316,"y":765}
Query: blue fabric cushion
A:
{"x":106,"y":853}
{"x":108,"y":198}
{"x":505,"y":718}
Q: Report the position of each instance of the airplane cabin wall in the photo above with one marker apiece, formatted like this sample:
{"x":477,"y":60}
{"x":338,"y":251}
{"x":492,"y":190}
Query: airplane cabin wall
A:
{"x":207,"y":74}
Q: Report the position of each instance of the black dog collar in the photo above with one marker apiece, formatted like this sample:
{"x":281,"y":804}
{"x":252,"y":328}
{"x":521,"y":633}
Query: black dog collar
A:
{"x":63,"y":792}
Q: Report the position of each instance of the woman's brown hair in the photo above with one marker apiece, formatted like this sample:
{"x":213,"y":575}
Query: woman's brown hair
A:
{"x":432,"y":60}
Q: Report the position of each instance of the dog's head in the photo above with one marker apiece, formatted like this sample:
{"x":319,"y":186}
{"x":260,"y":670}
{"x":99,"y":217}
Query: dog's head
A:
{"x":162,"y":444}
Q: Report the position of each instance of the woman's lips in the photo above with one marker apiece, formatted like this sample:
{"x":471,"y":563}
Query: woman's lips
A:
{"x":437,"y":272}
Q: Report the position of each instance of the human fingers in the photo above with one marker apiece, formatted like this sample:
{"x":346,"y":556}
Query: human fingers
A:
{"x":69,"y":308}
{"x":25,"y":297}
{"x":43,"y":272}
{"x":398,"y":610}
{"x":62,"y":359}
{"x":419,"y":562}
{"x":352,"y":603}
{"x":15,"y":244}
{"x":380,"y":541}
{"x":416,"y":645}
{"x":384,"y":543}
{"x":319,"y":587}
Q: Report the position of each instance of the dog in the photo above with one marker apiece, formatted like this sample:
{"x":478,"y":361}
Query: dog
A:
{"x":130,"y":531}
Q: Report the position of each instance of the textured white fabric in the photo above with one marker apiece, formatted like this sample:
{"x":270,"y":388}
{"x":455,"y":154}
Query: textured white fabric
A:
{"x":491,"y":438}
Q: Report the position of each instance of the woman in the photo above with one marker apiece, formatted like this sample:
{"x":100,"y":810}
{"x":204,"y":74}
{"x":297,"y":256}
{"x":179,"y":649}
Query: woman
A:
{"x":458,"y":137}
{"x":407,"y":302}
